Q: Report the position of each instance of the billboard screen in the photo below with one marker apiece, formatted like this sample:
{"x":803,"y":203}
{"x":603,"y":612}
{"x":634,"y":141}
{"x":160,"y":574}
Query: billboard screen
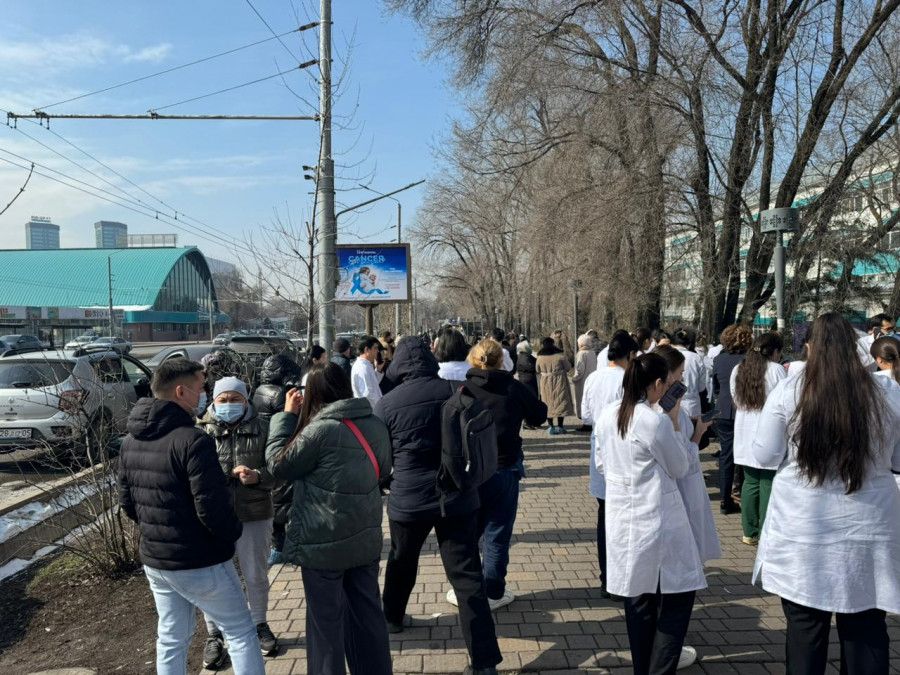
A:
{"x":378,"y":273}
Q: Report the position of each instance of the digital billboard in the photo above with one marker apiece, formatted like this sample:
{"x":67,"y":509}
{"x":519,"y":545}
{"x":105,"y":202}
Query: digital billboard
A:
{"x":378,"y":273}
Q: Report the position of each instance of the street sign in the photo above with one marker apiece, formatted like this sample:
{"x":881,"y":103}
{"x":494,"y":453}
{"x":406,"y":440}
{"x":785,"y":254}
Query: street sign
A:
{"x":779,"y":220}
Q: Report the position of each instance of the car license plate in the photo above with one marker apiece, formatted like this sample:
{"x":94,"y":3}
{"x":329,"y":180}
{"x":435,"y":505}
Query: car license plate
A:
{"x":15,"y":433}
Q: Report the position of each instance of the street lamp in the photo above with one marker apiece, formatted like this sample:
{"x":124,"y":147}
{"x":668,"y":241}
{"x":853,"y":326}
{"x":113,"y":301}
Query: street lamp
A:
{"x":576,"y":284}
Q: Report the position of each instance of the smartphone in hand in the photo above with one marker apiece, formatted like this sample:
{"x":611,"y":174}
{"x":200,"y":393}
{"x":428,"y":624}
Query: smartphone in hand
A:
{"x":710,"y":415}
{"x":670,"y":398}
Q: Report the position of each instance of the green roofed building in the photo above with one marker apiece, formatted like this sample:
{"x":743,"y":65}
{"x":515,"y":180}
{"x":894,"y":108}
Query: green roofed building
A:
{"x":158,"y":294}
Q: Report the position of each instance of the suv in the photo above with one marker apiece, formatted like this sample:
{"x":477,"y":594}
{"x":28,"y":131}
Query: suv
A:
{"x":254,"y":349}
{"x":58,"y":398}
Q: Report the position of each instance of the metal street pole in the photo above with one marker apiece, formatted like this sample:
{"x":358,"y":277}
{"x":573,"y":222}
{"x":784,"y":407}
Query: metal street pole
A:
{"x":325,"y":186}
{"x":210,"y":305}
{"x":397,"y":320}
{"x":779,"y":281}
{"x":112,"y":321}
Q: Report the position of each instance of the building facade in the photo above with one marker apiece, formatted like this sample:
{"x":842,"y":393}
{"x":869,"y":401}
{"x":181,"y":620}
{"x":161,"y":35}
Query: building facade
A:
{"x":110,"y":234}
{"x":41,"y":234}
{"x":152,"y":240}
{"x":158,"y":294}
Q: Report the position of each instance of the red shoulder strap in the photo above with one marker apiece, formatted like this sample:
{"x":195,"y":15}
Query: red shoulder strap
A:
{"x":362,"y":441}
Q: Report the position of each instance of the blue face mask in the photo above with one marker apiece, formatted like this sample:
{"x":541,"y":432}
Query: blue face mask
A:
{"x":229,"y":412}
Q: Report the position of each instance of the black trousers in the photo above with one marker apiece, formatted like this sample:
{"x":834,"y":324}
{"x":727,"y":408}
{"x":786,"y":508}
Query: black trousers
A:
{"x":344,"y":618}
{"x":725,"y":434}
{"x":458,"y":543}
{"x":657,"y":623}
{"x":863,"y":637}
{"x":601,"y":540}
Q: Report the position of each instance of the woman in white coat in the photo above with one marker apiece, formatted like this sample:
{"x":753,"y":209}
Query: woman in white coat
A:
{"x":604,"y":386}
{"x":831,"y":540}
{"x":695,"y":371}
{"x":693,"y":486}
{"x":652,"y":556}
{"x":886,"y":353}
{"x":752,"y":381}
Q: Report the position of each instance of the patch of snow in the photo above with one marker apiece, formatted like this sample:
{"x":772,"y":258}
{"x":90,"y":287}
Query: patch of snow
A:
{"x":25,"y":517}
{"x":16,"y":565}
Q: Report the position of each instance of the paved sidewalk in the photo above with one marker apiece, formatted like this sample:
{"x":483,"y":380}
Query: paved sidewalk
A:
{"x":558,"y":622}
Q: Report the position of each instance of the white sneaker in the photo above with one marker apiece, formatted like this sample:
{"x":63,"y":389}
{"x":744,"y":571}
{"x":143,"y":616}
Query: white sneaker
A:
{"x":508,"y":597}
{"x":451,"y":598}
{"x":687,"y":658}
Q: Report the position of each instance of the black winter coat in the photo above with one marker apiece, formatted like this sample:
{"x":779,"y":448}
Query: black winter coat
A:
{"x":343,"y":362}
{"x":412,"y":413}
{"x":525,"y":367}
{"x":171,"y":485}
{"x":510,"y":404}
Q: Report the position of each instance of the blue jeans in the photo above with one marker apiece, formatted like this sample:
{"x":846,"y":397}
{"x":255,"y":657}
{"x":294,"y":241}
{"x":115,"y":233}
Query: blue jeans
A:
{"x":217,"y":591}
{"x":496,"y":518}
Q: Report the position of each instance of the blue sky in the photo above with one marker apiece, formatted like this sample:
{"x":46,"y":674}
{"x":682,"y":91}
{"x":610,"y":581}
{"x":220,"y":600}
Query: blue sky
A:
{"x":229,"y":175}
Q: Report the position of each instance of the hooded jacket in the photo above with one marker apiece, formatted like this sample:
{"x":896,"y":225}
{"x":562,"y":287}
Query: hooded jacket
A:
{"x":510,"y":403}
{"x":171,"y":485}
{"x":336,"y":513}
{"x":412,"y":413}
{"x":278,"y":374}
{"x":243,"y":444}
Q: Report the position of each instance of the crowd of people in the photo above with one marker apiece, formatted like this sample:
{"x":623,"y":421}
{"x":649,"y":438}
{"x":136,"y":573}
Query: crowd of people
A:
{"x":297,"y":471}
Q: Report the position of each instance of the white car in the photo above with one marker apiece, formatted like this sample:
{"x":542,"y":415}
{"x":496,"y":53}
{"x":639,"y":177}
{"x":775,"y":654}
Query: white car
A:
{"x":59,"y":397}
{"x":80,"y":341}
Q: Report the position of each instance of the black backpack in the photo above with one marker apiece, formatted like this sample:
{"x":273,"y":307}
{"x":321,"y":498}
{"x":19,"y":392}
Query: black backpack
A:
{"x":468,"y":442}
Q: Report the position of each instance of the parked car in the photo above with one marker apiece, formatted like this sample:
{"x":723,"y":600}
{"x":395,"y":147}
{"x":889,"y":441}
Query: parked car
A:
{"x":81,"y":341}
{"x":62,"y":398}
{"x":121,"y":345}
{"x":21,"y":342}
{"x":192,"y":352}
{"x":222,"y":339}
{"x":254,"y":349}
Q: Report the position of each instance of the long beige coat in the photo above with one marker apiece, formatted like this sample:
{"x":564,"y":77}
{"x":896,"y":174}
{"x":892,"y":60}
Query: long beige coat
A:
{"x":585,"y":364}
{"x":555,"y":391}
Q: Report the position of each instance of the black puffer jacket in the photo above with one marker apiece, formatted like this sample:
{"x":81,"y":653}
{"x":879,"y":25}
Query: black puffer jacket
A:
{"x":510,"y":404}
{"x":171,"y":484}
{"x":412,"y":413}
{"x":279,"y":373}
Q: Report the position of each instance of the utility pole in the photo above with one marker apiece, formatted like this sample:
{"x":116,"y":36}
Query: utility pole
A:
{"x":397,"y":321}
{"x":112,"y":321}
{"x":325,"y":186}
{"x":210,"y":305}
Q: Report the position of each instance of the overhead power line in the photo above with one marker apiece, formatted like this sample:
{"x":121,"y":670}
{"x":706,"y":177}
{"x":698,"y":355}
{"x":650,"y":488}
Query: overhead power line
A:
{"x":271,"y":30}
{"x":157,"y":215}
{"x":173,"y":69}
{"x":237,"y":86}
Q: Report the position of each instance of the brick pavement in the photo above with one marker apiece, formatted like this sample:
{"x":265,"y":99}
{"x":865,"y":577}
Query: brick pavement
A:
{"x":558,"y":622}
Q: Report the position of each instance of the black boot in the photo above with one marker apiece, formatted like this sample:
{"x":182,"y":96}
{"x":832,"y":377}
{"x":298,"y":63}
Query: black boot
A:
{"x":728,"y":507}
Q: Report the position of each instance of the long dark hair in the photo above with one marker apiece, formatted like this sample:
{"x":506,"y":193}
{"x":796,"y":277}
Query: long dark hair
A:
{"x":324,"y":384}
{"x":640,"y":374}
{"x":888,"y":349}
{"x":840,"y":415}
{"x":750,"y":382}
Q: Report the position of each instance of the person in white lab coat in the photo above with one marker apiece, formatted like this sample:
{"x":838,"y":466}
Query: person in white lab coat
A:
{"x":652,"y":555}
{"x":886,"y":353}
{"x":751,"y":383}
{"x":585,"y":364}
{"x":693,"y":486}
{"x":365,"y":375}
{"x":878,"y":326}
{"x":602,"y":387}
{"x":831,"y":540}
{"x":695,"y":374}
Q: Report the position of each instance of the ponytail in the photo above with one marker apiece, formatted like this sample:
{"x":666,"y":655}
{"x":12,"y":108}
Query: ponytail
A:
{"x":640,"y":374}
{"x":888,"y":349}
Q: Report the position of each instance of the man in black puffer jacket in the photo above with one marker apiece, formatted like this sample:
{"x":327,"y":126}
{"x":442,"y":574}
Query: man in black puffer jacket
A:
{"x":412,"y":413}
{"x":278,"y":374}
{"x":171,"y":485}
